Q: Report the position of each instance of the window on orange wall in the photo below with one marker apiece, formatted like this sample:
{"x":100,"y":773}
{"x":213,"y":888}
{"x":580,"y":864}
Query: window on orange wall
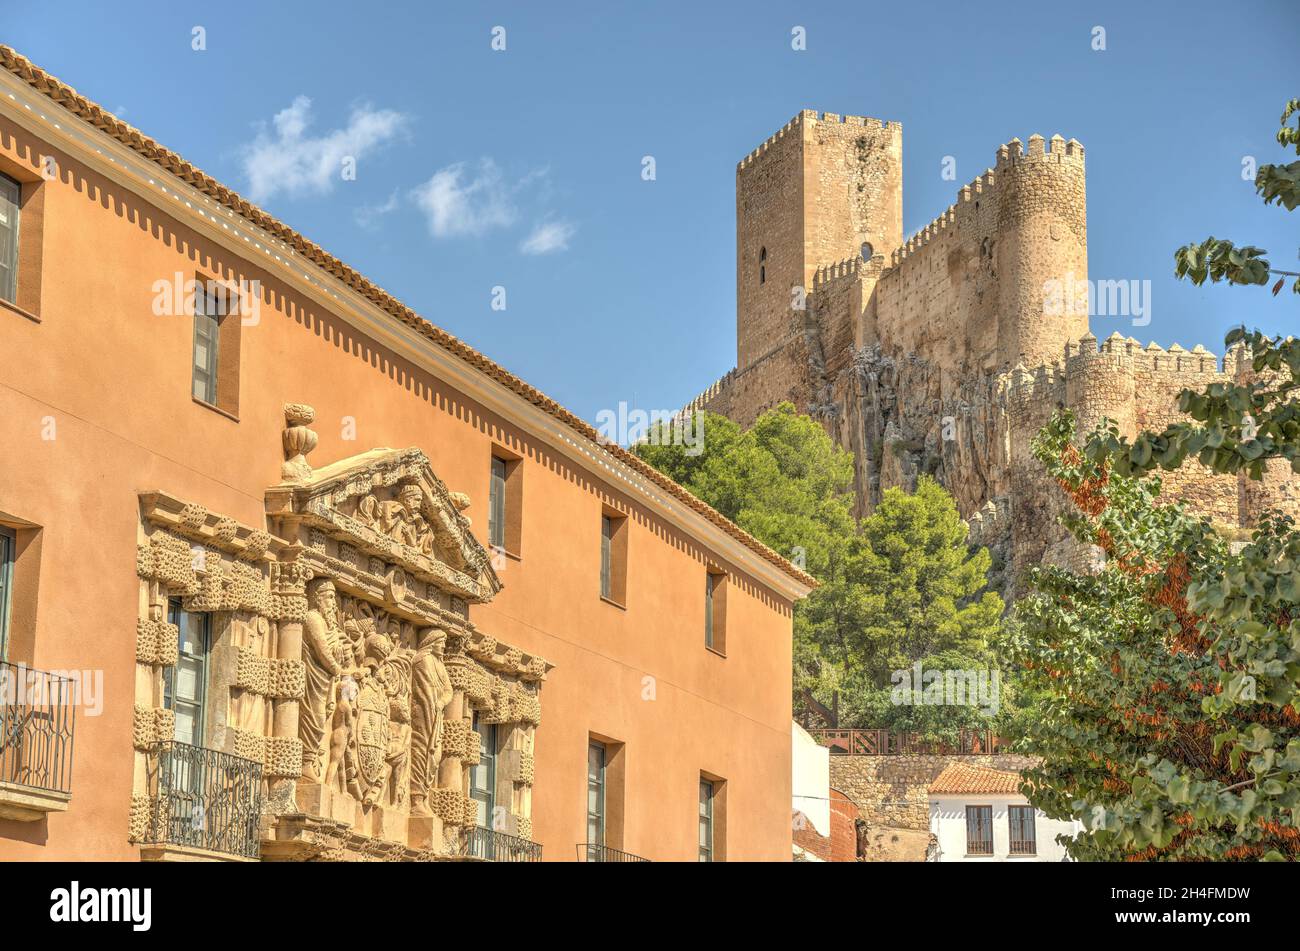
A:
{"x":505,"y":503}
{"x":715,"y":611}
{"x":613,"y":557}
{"x":762,"y":266}
{"x":706,"y":821}
{"x":497,"y":504}
{"x":207,"y":344}
{"x":10,"y":200}
{"x":7,"y":539}
{"x":606,"y":550}
{"x":214,"y":369}
{"x":596,"y":755}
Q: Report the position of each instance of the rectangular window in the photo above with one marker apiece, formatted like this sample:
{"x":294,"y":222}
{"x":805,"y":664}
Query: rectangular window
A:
{"x":1023,"y":840}
{"x":185,"y":685}
{"x":10,"y":200}
{"x":207,"y":342}
{"x":613,"y":557}
{"x":7,"y":539}
{"x":483,"y":776}
{"x":708,"y":610}
{"x":595,"y":794}
{"x":505,"y":504}
{"x":497,"y":505}
{"x":606,"y":546}
{"x":715,"y":611}
{"x":979,"y":830}
{"x":706,"y":821}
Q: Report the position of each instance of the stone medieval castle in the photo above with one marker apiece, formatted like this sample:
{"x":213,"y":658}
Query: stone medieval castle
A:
{"x":937,"y":354}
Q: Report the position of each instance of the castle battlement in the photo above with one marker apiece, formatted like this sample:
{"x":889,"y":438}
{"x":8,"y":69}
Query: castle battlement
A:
{"x":1061,"y":151}
{"x":851,"y":267}
{"x":1011,"y":158}
{"x":1154,"y":358}
{"x":1043,"y":384}
{"x":708,"y":395}
{"x":1088,"y":364}
{"x":936,"y":227}
{"x":968,"y":196}
{"x":813,"y":116}
{"x":770,"y":141}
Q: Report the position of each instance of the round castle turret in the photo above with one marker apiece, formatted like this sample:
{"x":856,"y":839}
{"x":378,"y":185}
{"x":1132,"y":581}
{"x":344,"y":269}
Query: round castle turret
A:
{"x":1042,"y":252}
{"x":1102,"y":383}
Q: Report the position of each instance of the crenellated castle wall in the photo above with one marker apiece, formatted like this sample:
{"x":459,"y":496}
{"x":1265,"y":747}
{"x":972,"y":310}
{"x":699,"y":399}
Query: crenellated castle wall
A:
{"x":940,"y":354}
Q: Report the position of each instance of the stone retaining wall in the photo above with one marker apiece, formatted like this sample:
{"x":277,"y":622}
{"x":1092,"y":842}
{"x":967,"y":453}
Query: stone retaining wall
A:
{"x":892,"y":790}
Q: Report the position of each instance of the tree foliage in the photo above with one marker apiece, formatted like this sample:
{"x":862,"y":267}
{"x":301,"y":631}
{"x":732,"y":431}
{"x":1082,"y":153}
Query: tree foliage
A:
{"x":1215,"y":259}
{"x":1168,"y":723}
{"x":900,"y":586}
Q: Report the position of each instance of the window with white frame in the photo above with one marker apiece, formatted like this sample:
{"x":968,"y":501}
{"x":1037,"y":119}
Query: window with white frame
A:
{"x":706,"y":821}
{"x":185,"y":686}
{"x":10,"y":197}
{"x":207,"y":342}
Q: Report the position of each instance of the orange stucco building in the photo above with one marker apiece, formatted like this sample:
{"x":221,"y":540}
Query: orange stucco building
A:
{"x":321,"y":580}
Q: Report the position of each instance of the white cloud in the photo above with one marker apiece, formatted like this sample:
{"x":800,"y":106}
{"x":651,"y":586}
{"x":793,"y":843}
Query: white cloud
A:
{"x":456,"y":204}
{"x":548,"y":237}
{"x":367,"y":216}
{"x":288,"y":159}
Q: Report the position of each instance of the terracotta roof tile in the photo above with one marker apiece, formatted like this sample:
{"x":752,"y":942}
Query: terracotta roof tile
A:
{"x":960,"y":778}
{"x":106,"y":122}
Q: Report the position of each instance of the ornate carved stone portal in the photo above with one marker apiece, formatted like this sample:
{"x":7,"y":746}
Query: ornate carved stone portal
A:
{"x":342,"y":660}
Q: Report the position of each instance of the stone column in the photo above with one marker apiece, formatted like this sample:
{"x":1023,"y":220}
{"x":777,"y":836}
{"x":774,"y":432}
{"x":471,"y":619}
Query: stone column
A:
{"x":288,"y":587}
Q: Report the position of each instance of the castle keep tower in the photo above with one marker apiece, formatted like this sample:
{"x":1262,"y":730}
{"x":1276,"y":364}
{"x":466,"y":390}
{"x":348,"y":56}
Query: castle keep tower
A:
{"x":811,"y":194}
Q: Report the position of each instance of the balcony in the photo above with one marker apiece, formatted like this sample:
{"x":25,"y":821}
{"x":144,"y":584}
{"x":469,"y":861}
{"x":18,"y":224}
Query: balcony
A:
{"x":37,"y":717}
{"x":603,"y":853}
{"x":491,"y":846}
{"x":887,"y":743}
{"x":206,"y":804}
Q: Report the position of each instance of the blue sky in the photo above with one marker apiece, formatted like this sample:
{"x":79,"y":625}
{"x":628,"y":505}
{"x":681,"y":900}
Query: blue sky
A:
{"x":522,"y":168}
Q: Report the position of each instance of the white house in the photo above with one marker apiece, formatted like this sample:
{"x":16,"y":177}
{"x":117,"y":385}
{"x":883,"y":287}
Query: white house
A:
{"x":979,"y":815}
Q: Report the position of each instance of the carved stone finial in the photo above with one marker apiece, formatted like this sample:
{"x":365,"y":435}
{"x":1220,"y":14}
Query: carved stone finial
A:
{"x":460,"y":500}
{"x":298,"y":441}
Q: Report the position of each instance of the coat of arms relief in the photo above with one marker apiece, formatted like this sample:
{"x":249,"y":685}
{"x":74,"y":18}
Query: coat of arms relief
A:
{"x":359,"y":700}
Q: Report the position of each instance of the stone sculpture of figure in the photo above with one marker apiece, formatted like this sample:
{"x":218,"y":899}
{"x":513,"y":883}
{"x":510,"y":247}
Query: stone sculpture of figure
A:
{"x":395,"y":675}
{"x":430,"y":693}
{"x":325,"y":654}
{"x":346,"y":691}
{"x":401,"y":519}
{"x":412,"y":528}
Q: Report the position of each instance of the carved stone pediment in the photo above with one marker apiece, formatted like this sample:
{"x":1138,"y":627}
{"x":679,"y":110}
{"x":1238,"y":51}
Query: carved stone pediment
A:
{"x":345,"y":662}
{"x":387,"y":509}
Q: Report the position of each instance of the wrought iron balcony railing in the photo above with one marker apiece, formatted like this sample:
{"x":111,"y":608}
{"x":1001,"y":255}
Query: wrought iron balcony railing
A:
{"x":206,"y":800}
{"x":493,"y":846}
{"x":603,"y":853}
{"x":37,"y":720}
